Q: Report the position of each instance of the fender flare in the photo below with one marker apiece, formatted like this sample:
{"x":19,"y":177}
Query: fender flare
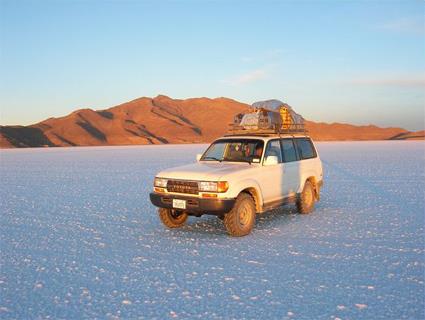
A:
{"x":309,"y":175}
{"x":252,"y":187}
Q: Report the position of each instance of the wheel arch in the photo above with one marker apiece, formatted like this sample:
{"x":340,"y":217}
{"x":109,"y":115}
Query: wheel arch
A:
{"x":251,"y":187}
{"x":313,"y":180}
{"x":254,"y":193}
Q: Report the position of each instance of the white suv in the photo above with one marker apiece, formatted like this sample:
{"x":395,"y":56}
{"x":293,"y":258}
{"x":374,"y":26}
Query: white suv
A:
{"x":239,"y":176}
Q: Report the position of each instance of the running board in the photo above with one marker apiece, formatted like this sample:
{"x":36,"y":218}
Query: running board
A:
{"x":278,"y":203}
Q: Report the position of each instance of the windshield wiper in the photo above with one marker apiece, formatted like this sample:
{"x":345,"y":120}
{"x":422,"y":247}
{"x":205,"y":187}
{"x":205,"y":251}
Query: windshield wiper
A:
{"x":237,"y":160}
{"x":247,"y":160}
{"x":212,"y":158}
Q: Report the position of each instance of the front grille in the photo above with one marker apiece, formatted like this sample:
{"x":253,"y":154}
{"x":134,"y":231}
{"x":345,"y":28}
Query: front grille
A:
{"x":180,"y":186}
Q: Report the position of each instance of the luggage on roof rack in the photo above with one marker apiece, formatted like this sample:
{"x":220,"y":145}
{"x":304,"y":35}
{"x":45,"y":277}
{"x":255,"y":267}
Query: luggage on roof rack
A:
{"x":273,"y":116}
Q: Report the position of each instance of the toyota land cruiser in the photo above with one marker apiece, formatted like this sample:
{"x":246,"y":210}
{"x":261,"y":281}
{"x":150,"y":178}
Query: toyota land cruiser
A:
{"x":239,"y":176}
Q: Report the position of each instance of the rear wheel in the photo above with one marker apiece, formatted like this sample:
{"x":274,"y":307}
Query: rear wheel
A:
{"x":240,"y":220}
{"x":305,"y":202}
{"x":172,"y":218}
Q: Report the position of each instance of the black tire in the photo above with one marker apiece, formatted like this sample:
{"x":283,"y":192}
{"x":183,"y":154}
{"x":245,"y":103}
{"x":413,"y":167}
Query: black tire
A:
{"x":305,"y":201}
{"x":172,"y":218}
{"x":240,"y":220}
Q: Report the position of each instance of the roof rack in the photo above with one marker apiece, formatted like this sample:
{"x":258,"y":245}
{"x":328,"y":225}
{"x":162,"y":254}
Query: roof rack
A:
{"x":254,"y":131}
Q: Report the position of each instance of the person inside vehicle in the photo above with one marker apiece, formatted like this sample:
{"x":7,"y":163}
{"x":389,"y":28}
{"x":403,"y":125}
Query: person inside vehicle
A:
{"x":246,"y":151}
{"x":253,"y":151}
{"x":258,"y":150}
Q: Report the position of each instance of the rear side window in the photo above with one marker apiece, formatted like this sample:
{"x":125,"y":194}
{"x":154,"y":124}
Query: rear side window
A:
{"x":305,"y":148}
{"x":289,"y":153}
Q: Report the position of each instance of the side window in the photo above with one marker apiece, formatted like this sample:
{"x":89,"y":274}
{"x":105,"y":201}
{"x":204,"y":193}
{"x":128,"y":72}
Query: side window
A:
{"x":289,"y":152}
{"x":305,"y":148}
{"x":273,"y":149}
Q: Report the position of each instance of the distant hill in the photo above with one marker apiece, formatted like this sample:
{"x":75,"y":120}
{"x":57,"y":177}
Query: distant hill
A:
{"x":416,"y":135}
{"x":341,"y":131}
{"x":162,"y":120}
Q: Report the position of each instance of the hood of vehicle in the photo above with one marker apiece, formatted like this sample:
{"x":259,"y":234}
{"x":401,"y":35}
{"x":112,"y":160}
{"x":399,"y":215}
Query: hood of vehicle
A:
{"x":203,"y":171}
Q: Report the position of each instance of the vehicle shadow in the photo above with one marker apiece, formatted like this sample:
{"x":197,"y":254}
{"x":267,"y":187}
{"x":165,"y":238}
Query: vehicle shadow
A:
{"x":211,"y":225}
{"x":276,"y":217}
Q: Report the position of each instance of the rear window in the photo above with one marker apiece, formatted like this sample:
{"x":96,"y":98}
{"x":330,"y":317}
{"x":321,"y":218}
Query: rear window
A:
{"x":289,"y":153}
{"x":305,"y":148}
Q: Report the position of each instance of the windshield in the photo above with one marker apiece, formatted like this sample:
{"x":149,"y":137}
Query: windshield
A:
{"x":237,"y":150}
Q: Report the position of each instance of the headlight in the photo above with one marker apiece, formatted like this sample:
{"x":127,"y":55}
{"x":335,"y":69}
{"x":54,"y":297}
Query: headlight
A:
{"x":208,"y":186}
{"x":160,"y":182}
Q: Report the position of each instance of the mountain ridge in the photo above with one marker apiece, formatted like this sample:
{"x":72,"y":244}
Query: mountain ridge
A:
{"x":162,"y":120}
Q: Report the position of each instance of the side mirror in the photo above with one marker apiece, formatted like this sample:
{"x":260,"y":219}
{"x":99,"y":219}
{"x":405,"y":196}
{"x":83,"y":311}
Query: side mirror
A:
{"x":198,"y":156}
{"x":271,"y":161}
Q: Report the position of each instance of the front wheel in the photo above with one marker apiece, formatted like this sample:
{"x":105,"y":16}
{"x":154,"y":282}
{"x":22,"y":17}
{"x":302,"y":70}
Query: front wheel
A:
{"x":305,"y":202}
{"x":240,"y":220}
{"x":172,"y":218}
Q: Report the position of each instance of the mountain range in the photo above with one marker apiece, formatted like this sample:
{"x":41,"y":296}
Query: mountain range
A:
{"x":162,"y":120}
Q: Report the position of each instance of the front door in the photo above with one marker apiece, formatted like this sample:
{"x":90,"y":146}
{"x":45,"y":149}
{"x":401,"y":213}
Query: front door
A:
{"x":272,"y":172}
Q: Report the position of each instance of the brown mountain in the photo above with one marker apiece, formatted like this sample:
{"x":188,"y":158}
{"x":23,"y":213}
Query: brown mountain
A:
{"x":164,"y":120}
{"x":417,"y":135}
{"x":341,"y":131}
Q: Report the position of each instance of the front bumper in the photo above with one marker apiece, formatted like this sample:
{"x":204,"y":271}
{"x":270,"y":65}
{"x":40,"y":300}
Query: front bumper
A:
{"x":194,"y":205}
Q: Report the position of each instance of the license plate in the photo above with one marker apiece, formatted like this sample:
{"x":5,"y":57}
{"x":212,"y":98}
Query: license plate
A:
{"x":179,"y":204}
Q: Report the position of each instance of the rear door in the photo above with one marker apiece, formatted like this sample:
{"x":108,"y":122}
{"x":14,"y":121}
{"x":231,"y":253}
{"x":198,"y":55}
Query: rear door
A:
{"x":291,"y":167}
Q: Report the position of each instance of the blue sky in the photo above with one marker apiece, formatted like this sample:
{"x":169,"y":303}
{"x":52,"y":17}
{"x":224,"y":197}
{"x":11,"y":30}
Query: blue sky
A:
{"x":335,"y":61}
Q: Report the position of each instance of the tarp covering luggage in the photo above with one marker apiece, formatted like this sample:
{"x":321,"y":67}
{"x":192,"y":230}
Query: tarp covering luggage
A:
{"x":261,"y":119}
{"x":270,"y":115}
